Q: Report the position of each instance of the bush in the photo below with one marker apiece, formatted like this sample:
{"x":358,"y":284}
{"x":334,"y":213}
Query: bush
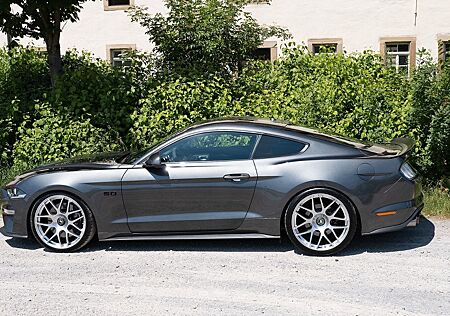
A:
{"x":347,"y":95}
{"x":23,"y":79}
{"x":350,"y":95}
{"x":173,"y":105}
{"x":203,"y":37}
{"x":438,"y":143}
{"x":54,"y":136}
{"x":430,"y":118}
{"x":91,"y":86}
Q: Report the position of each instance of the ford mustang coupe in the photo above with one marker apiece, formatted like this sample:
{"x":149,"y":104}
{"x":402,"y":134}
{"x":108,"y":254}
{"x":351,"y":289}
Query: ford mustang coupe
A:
{"x":234,"y":178}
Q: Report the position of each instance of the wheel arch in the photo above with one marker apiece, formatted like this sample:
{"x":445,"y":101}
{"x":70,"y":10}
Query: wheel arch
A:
{"x":324,"y":186}
{"x":72,"y":193}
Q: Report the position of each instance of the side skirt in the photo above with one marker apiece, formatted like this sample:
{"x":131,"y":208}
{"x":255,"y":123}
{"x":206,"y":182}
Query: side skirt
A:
{"x":193,"y":237}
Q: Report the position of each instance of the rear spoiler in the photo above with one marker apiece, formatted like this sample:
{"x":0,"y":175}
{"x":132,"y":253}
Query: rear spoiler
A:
{"x":398,"y":147}
{"x":407,"y":144}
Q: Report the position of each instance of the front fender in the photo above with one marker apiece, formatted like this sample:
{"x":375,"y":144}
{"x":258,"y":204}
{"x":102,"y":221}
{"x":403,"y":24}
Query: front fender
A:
{"x":100,"y":190}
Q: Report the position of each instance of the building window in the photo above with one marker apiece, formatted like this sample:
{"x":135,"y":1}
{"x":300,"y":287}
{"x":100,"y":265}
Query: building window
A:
{"x":325,"y":45}
{"x":117,"y":57}
{"x":40,"y":49}
{"x":399,"y":53}
{"x":397,"y":56}
{"x":444,"y":49}
{"x":116,"y":54}
{"x":117,"y":4}
{"x":325,"y":48}
{"x":267,"y":51}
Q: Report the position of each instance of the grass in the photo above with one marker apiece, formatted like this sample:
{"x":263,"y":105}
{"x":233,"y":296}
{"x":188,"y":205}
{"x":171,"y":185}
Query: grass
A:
{"x":437,"y":202}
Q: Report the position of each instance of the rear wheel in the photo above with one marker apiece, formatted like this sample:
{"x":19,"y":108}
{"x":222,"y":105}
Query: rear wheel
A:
{"x":62,"y":223}
{"x":320,"y":222}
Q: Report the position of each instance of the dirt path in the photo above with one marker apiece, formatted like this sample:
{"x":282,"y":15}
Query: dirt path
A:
{"x":407,"y":272}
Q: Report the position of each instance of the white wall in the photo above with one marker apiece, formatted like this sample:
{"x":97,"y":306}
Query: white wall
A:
{"x":433,"y":20}
{"x":359,"y":23}
{"x":98,"y":28}
{"x":3,"y":39}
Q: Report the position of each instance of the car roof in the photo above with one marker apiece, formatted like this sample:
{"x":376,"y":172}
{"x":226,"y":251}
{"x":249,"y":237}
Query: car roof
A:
{"x":244,"y":120}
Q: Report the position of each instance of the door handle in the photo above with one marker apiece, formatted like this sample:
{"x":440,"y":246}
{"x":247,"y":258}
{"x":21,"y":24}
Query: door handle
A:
{"x":236,"y":177}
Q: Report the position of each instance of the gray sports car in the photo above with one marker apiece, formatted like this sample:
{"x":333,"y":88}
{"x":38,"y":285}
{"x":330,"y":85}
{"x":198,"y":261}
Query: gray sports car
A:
{"x":235,"y":178}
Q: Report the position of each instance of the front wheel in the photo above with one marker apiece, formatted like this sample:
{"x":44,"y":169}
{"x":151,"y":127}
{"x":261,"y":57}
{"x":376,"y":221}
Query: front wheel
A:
{"x":62,"y":223}
{"x":320,"y":222}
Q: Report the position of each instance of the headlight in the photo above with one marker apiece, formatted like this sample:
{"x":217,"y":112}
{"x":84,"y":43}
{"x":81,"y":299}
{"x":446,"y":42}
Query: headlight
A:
{"x":407,"y":171}
{"x":15,"y":193}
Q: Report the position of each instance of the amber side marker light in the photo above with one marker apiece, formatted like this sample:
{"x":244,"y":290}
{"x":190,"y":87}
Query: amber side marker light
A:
{"x":386,"y":213}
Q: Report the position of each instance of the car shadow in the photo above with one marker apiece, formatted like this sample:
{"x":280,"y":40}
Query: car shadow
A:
{"x":406,"y":239}
{"x":23,"y":243}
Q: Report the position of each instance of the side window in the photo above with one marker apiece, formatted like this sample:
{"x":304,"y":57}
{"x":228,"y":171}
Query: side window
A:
{"x":270,"y":147}
{"x":212,"y":146}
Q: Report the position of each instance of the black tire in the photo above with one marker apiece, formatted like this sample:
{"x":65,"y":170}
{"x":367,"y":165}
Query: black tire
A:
{"x":90,"y":226}
{"x":340,"y":245}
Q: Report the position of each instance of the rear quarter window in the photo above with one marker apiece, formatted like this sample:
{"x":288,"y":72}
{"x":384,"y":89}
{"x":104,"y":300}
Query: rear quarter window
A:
{"x":272,"y":146}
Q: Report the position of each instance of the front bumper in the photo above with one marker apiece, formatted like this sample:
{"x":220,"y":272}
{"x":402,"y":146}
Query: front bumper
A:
{"x":14,"y":213}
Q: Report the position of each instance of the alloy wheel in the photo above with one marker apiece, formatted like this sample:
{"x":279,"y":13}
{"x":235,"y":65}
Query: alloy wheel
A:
{"x":59,"y":222}
{"x":320,"y":222}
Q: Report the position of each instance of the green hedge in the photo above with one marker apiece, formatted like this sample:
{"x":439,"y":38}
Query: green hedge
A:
{"x":88,"y":110}
{"x":96,"y":107}
{"x":350,"y":95}
{"x":173,"y":105}
{"x":23,"y":79}
{"x":91,"y":86}
{"x":430,"y":117}
{"x":54,"y":136}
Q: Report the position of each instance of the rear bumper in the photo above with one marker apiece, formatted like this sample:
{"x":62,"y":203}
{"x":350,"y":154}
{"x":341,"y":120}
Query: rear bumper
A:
{"x":393,"y":207}
{"x":14,"y":213}
{"x":410,"y":221}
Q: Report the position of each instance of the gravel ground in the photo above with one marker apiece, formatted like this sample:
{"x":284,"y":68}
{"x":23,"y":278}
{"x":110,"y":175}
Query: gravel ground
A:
{"x":402,"y":273}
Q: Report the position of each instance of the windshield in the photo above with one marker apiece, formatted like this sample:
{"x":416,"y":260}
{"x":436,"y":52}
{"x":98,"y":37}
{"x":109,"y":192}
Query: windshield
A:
{"x":134,"y":156}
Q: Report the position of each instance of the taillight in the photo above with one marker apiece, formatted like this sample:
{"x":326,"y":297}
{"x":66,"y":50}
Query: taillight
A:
{"x":407,"y":171}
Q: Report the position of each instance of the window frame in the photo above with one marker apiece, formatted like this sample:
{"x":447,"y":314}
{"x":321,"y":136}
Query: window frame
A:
{"x":107,"y":7}
{"x":256,"y":2}
{"x":41,"y":49}
{"x":258,"y":137}
{"x":446,"y":50}
{"x":443,"y":53}
{"x":110,"y":48}
{"x":326,"y":41}
{"x":410,"y":40}
{"x":180,"y":136}
{"x":272,"y":46}
{"x":305,"y":147}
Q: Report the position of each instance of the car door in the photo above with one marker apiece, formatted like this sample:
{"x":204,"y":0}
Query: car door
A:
{"x":207,"y":184}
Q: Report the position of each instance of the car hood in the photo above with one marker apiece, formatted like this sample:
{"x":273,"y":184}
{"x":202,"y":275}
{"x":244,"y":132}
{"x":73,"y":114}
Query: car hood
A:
{"x":95,"y":161}
{"x":87,"y":162}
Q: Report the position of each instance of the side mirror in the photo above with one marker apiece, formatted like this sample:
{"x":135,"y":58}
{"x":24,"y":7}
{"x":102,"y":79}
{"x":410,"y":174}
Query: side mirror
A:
{"x":154,"y":162}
